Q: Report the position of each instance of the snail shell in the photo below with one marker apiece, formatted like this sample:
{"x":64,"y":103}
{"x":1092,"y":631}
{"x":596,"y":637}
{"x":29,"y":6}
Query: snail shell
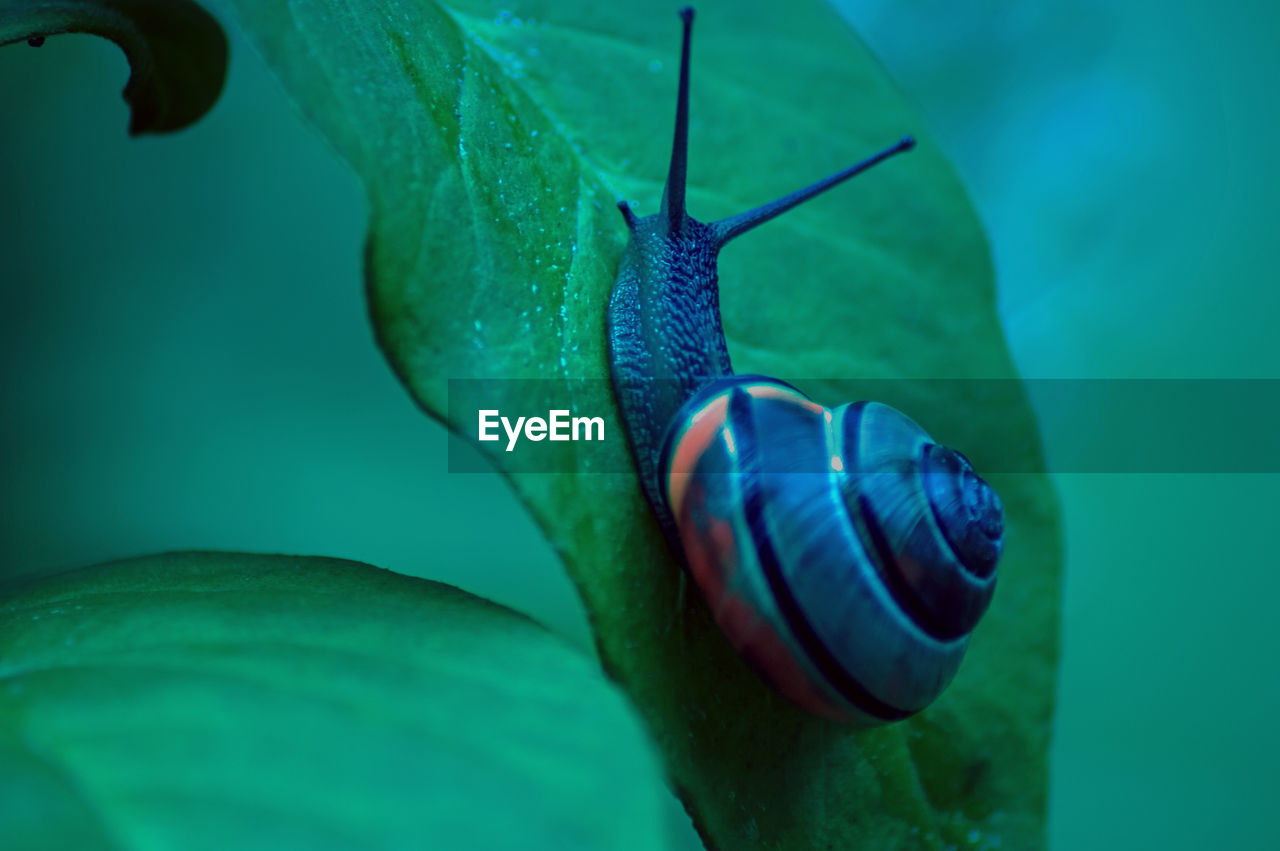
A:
{"x":844,"y":553}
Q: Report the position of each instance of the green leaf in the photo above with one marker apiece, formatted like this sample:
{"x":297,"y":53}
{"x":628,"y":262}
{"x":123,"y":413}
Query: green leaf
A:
{"x":177,"y":52}
{"x":221,"y":700}
{"x":493,"y":140}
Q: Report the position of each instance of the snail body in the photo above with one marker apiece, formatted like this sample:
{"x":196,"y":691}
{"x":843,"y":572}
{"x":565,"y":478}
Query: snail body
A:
{"x":844,"y":553}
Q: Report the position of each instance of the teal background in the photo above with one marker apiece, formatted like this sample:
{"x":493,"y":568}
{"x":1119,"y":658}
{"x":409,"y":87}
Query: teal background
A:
{"x":186,"y":360}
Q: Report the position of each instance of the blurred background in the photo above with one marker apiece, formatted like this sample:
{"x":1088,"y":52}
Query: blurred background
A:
{"x":185,"y":360}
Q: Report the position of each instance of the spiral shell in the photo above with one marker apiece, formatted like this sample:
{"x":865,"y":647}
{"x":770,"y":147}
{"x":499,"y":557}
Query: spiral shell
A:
{"x":844,"y":553}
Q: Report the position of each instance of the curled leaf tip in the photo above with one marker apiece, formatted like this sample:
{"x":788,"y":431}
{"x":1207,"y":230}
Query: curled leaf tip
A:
{"x":177,"y":51}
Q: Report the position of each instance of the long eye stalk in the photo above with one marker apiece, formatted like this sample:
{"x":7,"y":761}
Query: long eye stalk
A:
{"x":727,"y":229}
{"x":673,"y":196}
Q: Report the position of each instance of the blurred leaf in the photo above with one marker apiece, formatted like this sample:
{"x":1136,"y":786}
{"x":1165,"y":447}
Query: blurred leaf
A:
{"x":220,"y":700}
{"x":41,"y":808}
{"x":176,"y":50}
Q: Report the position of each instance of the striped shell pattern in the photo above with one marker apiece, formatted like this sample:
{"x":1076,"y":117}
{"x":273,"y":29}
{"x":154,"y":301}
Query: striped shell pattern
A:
{"x":844,"y":553}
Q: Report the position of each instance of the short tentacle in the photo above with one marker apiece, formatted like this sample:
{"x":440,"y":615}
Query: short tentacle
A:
{"x":628,"y":215}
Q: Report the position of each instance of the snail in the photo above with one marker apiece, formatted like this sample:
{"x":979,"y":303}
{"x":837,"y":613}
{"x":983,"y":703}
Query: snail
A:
{"x":844,"y":553}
